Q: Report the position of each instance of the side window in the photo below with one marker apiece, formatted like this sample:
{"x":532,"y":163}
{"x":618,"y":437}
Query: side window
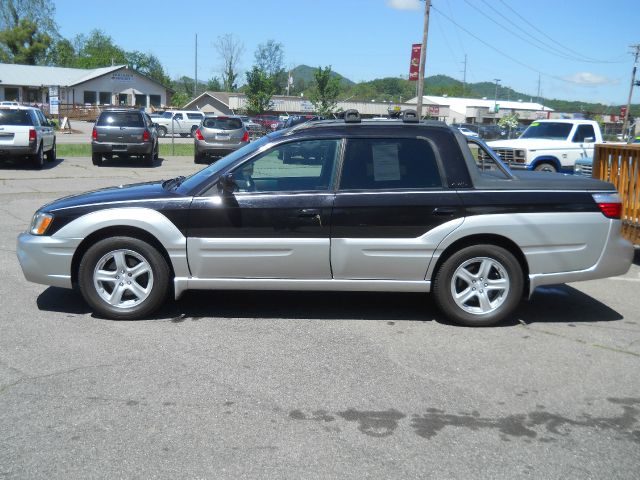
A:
{"x":485,"y":162}
{"x":194,"y":116}
{"x":397,"y":163}
{"x":39,"y":120}
{"x":295,"y":166}
{"x":583,"y":131}
{"x":178,"y":116}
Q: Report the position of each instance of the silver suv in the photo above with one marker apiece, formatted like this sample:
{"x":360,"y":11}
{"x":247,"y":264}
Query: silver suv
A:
{"x":219,"y":136}
{"x":125,"y":133}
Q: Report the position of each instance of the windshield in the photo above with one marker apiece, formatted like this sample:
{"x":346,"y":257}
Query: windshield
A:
{"x":551,"y":130}
{"x":167,"y":115}
{"x":199,"y":177}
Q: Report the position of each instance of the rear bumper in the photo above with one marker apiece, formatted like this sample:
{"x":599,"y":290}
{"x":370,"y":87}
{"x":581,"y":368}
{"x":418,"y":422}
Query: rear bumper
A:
{"x":124,"y":148}
{"x":7,"y":151}
{"x":217,"y":149}
{"x":615,"y":259}
{"x":46,"y":260}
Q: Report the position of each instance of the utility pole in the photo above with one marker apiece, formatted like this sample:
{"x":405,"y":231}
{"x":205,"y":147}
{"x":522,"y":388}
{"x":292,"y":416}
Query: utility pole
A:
{"x":464,"y":77}
{"x":423,"y":57}
{"x":636,"y":54}
{"x":495,"y":102}
{"x":195,"y":84}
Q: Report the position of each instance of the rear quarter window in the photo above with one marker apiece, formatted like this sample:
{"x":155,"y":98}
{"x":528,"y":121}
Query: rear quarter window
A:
{"x":120,"y":119}
{"x":15,"y":117}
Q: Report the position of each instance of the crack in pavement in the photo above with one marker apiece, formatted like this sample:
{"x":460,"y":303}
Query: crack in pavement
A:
{"x":4,"y":388}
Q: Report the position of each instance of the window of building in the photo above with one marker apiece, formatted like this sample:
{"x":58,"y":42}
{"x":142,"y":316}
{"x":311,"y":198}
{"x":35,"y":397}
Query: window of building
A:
{"x":12,"y":93}
{"x":381,"y":164}
{"x":90,"y":97}
{"x":141,"y":100}
{"x":155,"y":100}
{"x":105,"y":98}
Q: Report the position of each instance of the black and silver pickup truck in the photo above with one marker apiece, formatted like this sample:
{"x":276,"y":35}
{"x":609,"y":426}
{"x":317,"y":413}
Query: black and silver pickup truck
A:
{"x":349,"y":205}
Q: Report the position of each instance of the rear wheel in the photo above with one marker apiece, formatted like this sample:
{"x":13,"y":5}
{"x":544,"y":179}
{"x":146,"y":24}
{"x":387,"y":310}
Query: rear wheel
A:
{"x":479,"y":285}
{"x":198,"y":158}
{"x":193,"y":131}
{"x":51,"y":154}
{"x":96,"y":158}
{"x":123,"y":278}
{"x":546,"y":167}
{"x":37,"y":160}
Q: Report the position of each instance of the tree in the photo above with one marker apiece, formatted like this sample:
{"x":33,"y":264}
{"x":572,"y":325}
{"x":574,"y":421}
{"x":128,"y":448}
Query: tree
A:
{"x":269,"y":58}
{"x":24,"y":44}
{"x":147,"y":64}
{"x":213,"y":84}
{"x":62,"y":54}
{"x":324,"y":94}
{"x":259,"y":90}
{"x":98,"y":50}
{"x":230,"y":50}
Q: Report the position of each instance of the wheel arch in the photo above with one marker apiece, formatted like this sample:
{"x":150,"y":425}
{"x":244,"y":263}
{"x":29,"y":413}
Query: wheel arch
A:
{"x":484,"y":239}
{"x":546,"y":159}
{"x":117,"y":231}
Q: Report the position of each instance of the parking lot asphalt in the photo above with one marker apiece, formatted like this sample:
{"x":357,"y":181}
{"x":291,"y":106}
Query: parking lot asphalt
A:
{"x":306,"y":385}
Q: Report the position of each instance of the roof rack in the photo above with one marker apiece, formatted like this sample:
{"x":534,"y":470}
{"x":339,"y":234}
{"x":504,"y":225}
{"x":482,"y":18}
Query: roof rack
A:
{"x":410,"y":116}
{"x":352,"y":116}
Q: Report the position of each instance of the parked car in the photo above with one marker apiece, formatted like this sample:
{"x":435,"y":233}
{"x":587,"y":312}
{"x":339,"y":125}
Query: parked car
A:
{"x":268,"y":122}
{"x":491,"y":132}
{"x":397,"y":206}
{"x":25,"y":133}
{"x":124,"y":133}
{"x":219,"y":136}
{"x":294,"y":120}
{"x":584,"y":167}
{"x":467,"y":133}
{"x":181,"y":122}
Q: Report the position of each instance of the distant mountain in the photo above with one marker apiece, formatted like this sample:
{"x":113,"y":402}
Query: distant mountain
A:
{"x":303,"y":75}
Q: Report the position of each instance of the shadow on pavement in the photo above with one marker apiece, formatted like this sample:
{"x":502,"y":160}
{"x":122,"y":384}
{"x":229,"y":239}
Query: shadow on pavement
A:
{"x":130,"y":162}
{"x":555,"y":304}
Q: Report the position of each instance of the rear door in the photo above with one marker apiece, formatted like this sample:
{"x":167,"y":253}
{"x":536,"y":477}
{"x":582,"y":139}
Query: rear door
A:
{"x":391,"y":210}
{"x":14,"y":127}
{"x":46,"y":130}
{"x":276,"y":224}
{"x":222,"y":130}
{"x":120,"y":128}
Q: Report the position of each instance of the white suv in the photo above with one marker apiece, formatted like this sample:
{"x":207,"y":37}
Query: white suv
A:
{"x":183,"y":122}
{"x":25,"y":132}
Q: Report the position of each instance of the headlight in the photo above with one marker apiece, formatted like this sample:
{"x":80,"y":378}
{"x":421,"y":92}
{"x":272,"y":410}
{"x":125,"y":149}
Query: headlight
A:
{"x":521,"y":153}
{"x":577,"y":168}
{"x":40,"y":223}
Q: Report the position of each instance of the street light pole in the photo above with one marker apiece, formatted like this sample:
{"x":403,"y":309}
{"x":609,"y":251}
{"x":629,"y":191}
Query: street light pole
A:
{"x":423,"y":57}
{"x":625,"y":125}
{"x":495,"y":102}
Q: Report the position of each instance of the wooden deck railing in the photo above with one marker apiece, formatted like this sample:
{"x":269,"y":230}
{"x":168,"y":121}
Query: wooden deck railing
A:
{"x":620,"y":165}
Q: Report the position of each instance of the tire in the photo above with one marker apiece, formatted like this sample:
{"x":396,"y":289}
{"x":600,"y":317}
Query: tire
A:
{"x":484,"y":266}
{"x":193,"y":131}
{"x":123,"y":278}
{"x":37,"y":160}
{"x":198,"y":158}
{"x":162,"y":131}
{"x":51,"y":154}
{"x":546,"y":167}
{"x":96,"y":158}
{"x":156,"y":153}
{"x":183,"y":135}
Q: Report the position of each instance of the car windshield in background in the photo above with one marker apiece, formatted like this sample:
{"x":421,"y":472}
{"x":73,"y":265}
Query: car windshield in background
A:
{"x":167,"y":115}
{"x":15,"y":117}
{"x":222,"y":123}
{"x":121,"y":119}
{"x":558,"y":131}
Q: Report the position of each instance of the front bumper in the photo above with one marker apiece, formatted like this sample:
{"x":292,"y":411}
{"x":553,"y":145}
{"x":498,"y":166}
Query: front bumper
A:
{"x":46,"y":260}
{"x":122,"y":148}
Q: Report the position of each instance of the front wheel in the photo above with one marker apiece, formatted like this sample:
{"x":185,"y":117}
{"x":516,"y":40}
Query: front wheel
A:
{"x":162,"y":131}
{"x":479,"y":285}
{"x":123,"y":278}
{"x":546,"y":167}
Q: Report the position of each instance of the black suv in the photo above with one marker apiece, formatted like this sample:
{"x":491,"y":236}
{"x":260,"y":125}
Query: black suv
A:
{"x":387,"y":206}
{"x":125,"y":133}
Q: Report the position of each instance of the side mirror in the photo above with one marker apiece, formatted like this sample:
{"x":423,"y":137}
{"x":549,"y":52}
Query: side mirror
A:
{"x":589,"y":140}
{"x":228,"y":183}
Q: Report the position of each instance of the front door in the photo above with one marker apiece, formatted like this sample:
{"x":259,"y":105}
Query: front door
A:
{"x":391,"y":210}
{"x":276,"y":223}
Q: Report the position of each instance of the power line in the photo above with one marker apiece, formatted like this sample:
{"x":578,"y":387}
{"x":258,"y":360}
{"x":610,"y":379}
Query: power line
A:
{"x":515,"y":60}
{"x":555,"y":42}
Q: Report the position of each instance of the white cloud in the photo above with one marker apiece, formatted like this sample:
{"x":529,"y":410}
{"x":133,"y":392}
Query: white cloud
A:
{"x":587,"y":78}
{"x":404,"y":4}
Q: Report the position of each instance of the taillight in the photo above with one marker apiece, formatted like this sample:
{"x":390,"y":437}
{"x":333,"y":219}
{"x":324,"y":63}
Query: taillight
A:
{"x":146,"y":136}
{"x":94,"y":134}
{"x":32,"y":135}
{"x":609,"y":204}
{"x":245,"y":137}
{"x":199,"y":135}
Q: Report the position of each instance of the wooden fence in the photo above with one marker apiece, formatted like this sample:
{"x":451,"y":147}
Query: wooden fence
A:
{"x":620,"y":165}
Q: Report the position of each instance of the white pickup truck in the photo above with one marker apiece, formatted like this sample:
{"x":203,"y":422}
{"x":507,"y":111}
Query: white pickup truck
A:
{"x":182,"y":122}
{"x":26,"y":133}
{"x":550,"y":145}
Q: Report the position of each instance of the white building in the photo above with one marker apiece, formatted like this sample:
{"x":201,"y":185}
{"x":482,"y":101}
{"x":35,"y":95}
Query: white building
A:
{"x":116,"y":85}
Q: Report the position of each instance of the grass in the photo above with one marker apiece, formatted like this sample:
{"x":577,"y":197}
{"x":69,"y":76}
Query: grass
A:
{"x":84,"y":150}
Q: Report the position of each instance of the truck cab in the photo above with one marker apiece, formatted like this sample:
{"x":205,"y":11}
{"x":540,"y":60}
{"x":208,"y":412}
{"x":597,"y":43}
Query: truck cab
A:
{"x":550,"y":145}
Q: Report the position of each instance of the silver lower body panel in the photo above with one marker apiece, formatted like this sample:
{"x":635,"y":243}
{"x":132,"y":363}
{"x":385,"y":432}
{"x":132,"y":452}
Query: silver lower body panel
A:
{"x":46,"y":260}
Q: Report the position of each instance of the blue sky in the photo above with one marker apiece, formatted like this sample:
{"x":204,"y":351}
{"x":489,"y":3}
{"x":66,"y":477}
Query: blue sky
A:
{"x":579,"y":47}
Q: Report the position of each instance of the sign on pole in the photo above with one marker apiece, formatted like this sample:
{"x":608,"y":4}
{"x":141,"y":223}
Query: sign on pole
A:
{"x":54,"y":102}
{"x":414,"y":66}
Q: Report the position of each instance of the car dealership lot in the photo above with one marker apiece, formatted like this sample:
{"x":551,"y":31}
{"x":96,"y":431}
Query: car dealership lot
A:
{"x":306,"y":385}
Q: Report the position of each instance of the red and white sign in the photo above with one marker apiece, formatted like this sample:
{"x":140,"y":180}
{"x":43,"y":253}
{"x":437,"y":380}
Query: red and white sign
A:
{"x":434,"y":110}
{"x":414,"y":66}
{"x":623,"y":112}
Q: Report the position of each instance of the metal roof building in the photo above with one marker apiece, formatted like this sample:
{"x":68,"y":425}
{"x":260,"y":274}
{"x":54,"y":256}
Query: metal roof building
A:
{"x":115,"y":85}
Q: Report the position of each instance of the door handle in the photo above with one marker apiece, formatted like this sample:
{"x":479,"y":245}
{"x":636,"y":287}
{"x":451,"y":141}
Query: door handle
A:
{"x":309,"y":212}
{"x":444,"y":211}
